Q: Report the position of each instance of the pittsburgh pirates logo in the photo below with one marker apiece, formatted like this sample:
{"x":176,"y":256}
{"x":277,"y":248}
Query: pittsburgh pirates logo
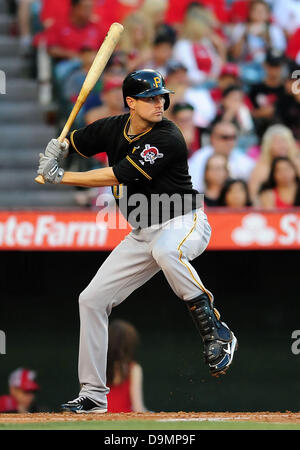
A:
{"x":150,"y":154}
{"x":157,"y":82}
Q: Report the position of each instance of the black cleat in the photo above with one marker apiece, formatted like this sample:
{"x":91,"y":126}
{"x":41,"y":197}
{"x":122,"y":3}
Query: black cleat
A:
{"x":218,"y":340}
{"x":219,"y":355}
{"x":82,"y":405}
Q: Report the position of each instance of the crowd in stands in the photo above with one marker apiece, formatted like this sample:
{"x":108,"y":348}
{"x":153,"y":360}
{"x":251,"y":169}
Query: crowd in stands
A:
{"x":21,"y":397}
{"x":234,"y":66}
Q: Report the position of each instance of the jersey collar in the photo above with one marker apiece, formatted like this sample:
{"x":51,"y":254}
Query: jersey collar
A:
{"x":136,"y":137}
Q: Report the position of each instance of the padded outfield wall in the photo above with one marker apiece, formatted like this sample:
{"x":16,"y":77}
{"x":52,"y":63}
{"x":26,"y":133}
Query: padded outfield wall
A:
{"x":255,"y":291}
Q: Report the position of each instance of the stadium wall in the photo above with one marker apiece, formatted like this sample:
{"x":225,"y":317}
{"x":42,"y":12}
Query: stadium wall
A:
{"x":255,"y":291}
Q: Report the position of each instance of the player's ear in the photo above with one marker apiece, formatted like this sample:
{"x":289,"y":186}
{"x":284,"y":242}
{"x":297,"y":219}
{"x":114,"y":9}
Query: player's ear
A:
{"x":130,"y":102}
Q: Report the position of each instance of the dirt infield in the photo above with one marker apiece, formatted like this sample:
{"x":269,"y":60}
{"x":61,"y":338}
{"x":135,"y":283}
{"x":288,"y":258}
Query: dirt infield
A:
{"x":271,"y":417}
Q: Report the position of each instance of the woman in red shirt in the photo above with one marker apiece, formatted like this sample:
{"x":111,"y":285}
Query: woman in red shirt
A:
{"x":124,"y":374}
{"x":282,"y":190}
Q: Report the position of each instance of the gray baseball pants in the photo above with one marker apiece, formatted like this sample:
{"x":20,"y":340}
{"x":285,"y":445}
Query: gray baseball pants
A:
{"x":168,"y":247}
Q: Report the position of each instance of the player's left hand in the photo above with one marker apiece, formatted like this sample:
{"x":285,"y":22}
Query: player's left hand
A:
{"x":50,"y":170}
{"x":58,"y":150}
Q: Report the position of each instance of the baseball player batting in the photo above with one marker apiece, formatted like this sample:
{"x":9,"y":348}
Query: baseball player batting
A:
{"x":147,"y":157}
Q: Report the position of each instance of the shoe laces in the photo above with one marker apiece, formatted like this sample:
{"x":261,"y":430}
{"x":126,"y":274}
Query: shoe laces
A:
{"x":78,"y":399}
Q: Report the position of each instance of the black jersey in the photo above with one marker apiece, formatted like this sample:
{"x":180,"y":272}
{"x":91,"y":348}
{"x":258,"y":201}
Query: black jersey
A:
{"x":151,"y":168}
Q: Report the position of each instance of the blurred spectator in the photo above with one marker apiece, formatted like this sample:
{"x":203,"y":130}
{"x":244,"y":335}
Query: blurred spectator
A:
{"x":264,"y":96}
{"x":24,"y":25}
{"x":229,"y":75}
{"x":223,"y":140}
{"x":286,"y":13}
{"x":162,"y":49}
{"x":282,"y":189}
{"x":29,"y":22}
{"x":288,"y":106}
{"x":177,"y":9}
{"x":116,"y":65}
{"x":293,"y":48}
{"x":54,"y":10}
{"x":22,"y":391}
{"x":239,"y":11}
{"x":106,"y":12}
{"x":182,"y":115}
{"x":124,"y":374}
{"x":115,"y":68}
{"x":251,"y":40}
{"x":215,"y":174}
{"x":199,"y":48}
{"x":112,"y":98}
{"x":66,"y":37}
{"x":177,"y":80}
{"x":234,"y":109}
{"x":110,"y":11}
{"x":155,"y":10}
{"x":277,"y":141}
{"x":136,"y":40}
{"x":235,"y":194}
{"x":73,"y":83}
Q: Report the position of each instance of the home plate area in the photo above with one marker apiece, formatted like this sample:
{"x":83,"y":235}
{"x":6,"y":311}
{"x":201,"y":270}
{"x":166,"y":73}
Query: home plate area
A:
{"x":271,"y":417}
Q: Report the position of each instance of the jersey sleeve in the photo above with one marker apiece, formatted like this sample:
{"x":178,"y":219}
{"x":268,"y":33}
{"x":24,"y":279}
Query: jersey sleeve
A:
{"x":146,"y":162}
{"x":90,"y":140}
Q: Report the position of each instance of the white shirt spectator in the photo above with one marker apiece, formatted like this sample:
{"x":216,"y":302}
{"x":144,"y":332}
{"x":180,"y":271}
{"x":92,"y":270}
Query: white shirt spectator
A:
{"x":286,"y":13}
{"x":204,"y":107}
{"x":256,"y":46}
{"x":239,"y":165}
{"x":185,"y":52}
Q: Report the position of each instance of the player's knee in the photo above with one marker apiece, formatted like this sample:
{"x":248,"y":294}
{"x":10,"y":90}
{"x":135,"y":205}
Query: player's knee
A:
{"x":101,"y":302}
{"x":163,"y":255}
{"x":86,"y":299}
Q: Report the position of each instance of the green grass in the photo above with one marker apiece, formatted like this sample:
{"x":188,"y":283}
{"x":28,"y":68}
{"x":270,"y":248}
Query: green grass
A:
{"x":149,"y":425}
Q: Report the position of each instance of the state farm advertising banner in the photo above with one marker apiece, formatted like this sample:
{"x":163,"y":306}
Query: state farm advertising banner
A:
{"x":59,"y":231}
{"x":246,"y":230}
{"x":255,"y":230}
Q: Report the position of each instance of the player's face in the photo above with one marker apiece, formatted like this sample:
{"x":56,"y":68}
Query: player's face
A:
{"x":149,"y":109}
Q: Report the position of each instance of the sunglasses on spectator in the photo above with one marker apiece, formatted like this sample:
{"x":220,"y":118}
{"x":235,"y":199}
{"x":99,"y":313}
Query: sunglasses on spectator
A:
{"x":226,"y":137}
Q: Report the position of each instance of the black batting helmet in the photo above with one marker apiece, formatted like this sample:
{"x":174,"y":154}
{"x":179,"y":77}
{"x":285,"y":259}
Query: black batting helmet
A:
{"x":145,"y":83}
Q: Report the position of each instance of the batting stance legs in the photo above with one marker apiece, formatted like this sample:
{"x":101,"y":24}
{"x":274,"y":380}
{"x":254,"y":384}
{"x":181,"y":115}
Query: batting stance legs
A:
{"x":168,"y":247}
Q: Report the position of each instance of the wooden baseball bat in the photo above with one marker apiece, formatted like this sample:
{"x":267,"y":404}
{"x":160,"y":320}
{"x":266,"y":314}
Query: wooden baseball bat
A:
{"x":104,"y":53}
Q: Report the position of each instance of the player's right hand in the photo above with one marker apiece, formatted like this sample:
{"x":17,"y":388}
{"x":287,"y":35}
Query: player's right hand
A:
{"x":50,"y":170}
{"x":57,"y":150}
